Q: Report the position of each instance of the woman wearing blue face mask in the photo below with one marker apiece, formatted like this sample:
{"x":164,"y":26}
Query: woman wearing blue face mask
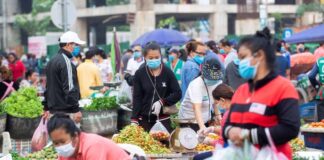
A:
{"x":268,"y":102}
{"x":175,"y":64}
{"x":191,"y":69}
{"x":197,"y":103}
{"x":155,"y":87}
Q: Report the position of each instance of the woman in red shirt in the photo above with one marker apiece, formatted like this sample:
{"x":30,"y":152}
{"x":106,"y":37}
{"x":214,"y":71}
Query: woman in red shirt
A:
{"x":72,"y":144}
{"x":266,"y":101}
{"x":16,"y":66}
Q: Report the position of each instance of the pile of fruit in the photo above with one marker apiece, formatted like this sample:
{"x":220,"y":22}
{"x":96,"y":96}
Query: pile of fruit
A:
{"x":136,"y":135}
{"x":297,"y":145}
{"x":23,"y":104}
{"x":160,"y":136}
{"x":204,"y":147}
{"x":317,"y":124}
{"x":48,"y":153}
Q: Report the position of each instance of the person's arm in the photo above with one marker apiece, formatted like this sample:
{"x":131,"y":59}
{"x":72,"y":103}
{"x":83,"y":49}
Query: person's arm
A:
{"x":198,"y":115}
{"x":218,"y":115}
{"x":174,"y":90}
{"x":226,"y":80}
{"x":191,"y":74}
{"x":312,"y":75}
{"x":137,"y":97}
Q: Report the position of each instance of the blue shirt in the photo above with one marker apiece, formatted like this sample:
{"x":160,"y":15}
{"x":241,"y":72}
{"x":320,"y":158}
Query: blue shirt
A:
{"x":190,"y":71}
{"x":210,"y":54}
{"x":286,"y":54}
{"x":312,"y":75}
{"x":282,"y":65}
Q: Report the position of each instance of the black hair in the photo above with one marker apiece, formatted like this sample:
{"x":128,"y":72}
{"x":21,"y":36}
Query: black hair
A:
{"x":223,"y":91}
{"x":151,"y":46}
{"x":278,"y":46}
{"x":183,"y":55}
{"x":212,"y":45}
{"x":29,"y":73}
{"x":91,"y":52}
{"x":225,"y":42}
{"x":261,"y":41}
{"x":192,"y":46}
{"x":101,"y":53}
{"x":128,"y":51}
{"x":62,"y":121}
{"x":14,"y":55}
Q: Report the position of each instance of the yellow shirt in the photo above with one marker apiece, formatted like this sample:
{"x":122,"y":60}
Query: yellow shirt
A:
{"x":88,"y":75}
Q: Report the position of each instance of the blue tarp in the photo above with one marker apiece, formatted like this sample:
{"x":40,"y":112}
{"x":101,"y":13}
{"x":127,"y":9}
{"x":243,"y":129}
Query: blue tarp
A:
{"x":312,"y":35}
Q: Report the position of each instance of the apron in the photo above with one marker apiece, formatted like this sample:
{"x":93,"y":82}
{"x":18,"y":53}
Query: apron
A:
{"x":177,"y":69}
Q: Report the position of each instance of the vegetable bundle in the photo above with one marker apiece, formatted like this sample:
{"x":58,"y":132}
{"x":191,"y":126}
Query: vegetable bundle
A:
{"x":102,"y":103}
{"x":23,"y":103}
{"x":136,"y":135}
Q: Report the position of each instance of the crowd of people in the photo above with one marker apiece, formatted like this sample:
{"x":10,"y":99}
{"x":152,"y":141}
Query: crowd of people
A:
{"x":245,"y":88}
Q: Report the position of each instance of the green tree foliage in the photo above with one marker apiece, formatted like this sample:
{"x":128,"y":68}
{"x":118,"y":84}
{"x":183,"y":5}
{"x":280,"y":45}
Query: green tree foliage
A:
{"x":117,"y":2}
{"x":309,"y":7}
{"x":31,"y":23}
{"x":168,"y":23}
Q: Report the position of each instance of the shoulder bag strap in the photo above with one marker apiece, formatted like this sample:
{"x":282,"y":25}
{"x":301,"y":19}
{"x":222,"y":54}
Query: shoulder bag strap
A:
{"x":9,"y":89}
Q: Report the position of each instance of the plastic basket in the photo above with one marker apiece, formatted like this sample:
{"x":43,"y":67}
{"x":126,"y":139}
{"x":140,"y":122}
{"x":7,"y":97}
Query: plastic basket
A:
{"x":314,"y":140}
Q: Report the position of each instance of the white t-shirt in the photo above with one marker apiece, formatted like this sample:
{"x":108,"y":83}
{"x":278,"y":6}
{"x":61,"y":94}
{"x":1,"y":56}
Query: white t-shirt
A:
{"x":105,"y":69}
{"x":133,"y":65}
{"x":196,"y":93}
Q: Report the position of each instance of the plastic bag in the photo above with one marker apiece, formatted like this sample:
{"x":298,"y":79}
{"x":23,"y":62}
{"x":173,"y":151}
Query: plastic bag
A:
{"x":124,"y":94}
{"x":270,"y":152}
{"x":40,"y":136}
{"x":232,"y":152}
{"x":159,"y":132}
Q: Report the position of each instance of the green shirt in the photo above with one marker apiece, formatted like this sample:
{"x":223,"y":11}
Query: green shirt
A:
{"x":177,"y":69}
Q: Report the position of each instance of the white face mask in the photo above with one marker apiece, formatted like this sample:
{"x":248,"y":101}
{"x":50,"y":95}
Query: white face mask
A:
{"x":66,"y":150}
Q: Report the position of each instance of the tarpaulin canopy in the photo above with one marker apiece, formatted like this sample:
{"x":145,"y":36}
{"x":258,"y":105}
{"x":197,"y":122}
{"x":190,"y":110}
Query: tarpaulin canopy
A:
{"x":164,"y":37}
{"x":312,"y":35}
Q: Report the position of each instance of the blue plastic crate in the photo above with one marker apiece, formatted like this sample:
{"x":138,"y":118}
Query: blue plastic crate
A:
{"x":314,"y":140}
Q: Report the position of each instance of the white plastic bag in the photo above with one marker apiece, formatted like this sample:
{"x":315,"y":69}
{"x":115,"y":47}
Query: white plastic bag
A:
{"x":270,"y":152}
{"x":124,"y":94}
{"x":159,"y":132}
{"x":232,"y":152}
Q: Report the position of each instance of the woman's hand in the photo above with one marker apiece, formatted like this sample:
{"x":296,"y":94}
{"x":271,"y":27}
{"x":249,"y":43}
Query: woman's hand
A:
{"x":234,"y":134}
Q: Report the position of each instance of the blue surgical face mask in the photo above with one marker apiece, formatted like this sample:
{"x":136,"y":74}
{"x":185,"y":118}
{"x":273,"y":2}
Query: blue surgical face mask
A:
{"x":153,"y":63}
{"x":246,"y":70}
{"x":137,"y":54}
{"x":76,"y":51}
{"x":222,"y":51}
{"x":236,"y":61}
{"x":171,"y":58}
{"x":66,"y":150}
{"x":209,"y":82}
{"x":282,"y":49}
{"x":198,"y":59}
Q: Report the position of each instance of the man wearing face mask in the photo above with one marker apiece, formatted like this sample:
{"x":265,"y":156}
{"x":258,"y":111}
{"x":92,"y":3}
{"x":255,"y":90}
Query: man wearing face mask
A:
{"x":134,"y":64}
{"x":72,"y":144}
{"x":227,"y":49}
{"x":62,"y":90}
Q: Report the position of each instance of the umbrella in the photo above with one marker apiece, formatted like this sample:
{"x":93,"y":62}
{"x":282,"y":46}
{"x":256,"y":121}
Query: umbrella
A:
{"x":164,"y":37}
{"x":315,"y":34}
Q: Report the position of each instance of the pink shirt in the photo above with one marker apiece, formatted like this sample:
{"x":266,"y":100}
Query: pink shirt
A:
{"x":319,"y":52}
{"x":95,"y":147}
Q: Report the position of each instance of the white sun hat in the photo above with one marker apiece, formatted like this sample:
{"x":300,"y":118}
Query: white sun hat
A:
{"x":71,"y":37}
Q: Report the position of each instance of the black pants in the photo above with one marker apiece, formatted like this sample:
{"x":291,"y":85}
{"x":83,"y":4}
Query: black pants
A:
{"x":147,"y":125}
{"x":320,"y":110}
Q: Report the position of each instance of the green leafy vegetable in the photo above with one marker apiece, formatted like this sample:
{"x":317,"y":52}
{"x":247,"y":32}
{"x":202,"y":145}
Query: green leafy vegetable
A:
{"x":23,"y":104}
{"x":102,"y":103}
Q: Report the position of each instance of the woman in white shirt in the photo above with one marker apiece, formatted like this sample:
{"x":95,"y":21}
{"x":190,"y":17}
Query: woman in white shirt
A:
{"x":197,"y":103}
{"x":104,"y":66}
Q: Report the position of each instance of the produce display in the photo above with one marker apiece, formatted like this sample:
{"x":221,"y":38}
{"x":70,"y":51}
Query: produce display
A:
{"x":16,"y":156}
{"x":297,"y":145}
{"x":23,"y":103}
{"x":48,"y":153}
{"x":204,"y":147}
{"x":136,"y":135}
{"x":102,"y":103}
{"x":160,"y":136}
{"x":317,"y":124}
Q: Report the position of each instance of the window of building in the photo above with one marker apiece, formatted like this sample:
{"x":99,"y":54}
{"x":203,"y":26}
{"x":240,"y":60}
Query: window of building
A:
{"x":232,"y":1}
{"x":285,"y":1}
{"x":231,"y":23}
